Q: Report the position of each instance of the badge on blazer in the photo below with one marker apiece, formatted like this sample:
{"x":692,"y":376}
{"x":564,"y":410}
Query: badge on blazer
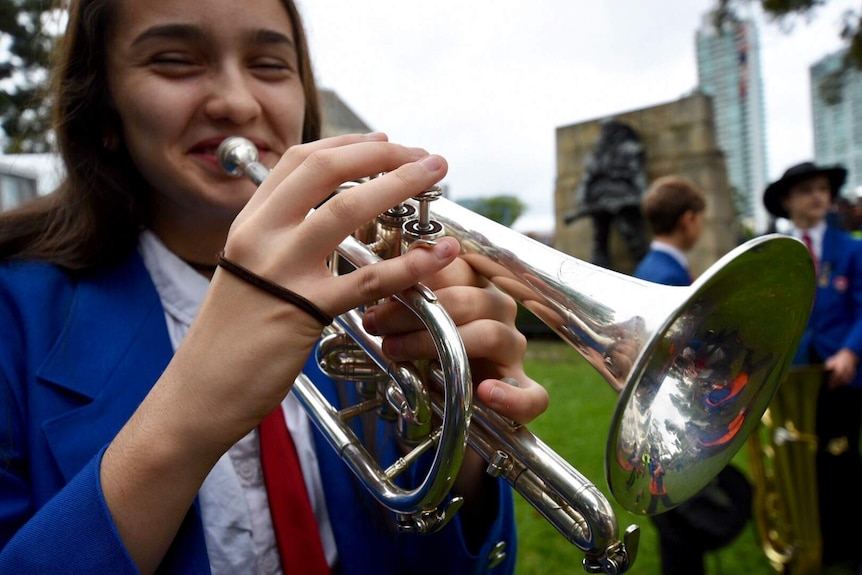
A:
{"x":840,"y":283}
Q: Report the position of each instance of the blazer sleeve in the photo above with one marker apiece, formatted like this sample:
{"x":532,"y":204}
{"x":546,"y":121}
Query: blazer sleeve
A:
{"x":853,"y":340}
{"x":74,"y":529}
{"x":40,"y":529}
{"x":57,"y":520}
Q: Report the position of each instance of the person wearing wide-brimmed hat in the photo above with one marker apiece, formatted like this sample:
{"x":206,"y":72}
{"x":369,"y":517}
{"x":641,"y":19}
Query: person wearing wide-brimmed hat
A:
{"x":833,"y":338}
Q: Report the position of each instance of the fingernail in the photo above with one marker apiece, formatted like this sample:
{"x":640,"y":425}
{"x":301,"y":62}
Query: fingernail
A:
{"x":418,"y":152}
{"x":443,"y":250}
{"x":432,"y":163}
{"x":498,"y":395}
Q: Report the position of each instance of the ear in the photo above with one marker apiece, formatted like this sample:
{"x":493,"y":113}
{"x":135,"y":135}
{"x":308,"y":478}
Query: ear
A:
{"x":686,"y":219}
{"x":687,"y":225}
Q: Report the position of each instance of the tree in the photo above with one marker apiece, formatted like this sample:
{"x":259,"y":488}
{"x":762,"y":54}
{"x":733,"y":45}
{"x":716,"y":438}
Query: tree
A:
{"x":503,"y":209}
{"x":27,"y":37}
{"x":784,"y":11}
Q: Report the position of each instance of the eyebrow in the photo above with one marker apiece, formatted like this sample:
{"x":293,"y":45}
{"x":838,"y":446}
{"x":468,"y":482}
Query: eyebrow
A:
{"x":189,"y":32}
{"x":170,"y":31}
{"x":265,"y":36}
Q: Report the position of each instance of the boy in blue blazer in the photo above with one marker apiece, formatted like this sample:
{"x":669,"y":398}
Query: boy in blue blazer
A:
{"x":673,"y":208}
{"x":674,"y":211}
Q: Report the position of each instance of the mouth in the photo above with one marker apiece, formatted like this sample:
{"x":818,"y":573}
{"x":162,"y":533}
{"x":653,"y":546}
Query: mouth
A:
{"x":206,"y":149}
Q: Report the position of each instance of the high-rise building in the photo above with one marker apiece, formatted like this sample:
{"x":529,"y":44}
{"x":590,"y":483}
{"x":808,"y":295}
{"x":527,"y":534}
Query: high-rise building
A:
{"x":836,"y":102}
{"x":728,"y":67}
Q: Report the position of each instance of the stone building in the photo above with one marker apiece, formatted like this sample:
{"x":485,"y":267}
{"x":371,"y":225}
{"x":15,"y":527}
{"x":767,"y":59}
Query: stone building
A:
{"x":338,"y":118}
{"x":680,"y":138}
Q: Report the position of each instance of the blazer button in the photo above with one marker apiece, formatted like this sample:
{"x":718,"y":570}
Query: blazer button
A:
{"x":498,"y":553}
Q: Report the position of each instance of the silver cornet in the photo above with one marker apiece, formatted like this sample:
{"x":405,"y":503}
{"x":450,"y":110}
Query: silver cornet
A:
{"x":695,"y":368}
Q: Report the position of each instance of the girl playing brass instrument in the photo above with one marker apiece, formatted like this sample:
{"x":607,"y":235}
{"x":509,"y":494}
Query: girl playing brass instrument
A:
{"x":134,"y":373}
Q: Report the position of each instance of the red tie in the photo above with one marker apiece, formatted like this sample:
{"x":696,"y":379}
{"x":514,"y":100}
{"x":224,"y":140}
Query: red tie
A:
{"x":806,"y":239}
{"x":292,"y":517}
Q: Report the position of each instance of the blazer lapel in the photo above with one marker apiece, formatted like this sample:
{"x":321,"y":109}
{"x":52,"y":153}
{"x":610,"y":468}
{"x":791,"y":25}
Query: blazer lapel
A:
{"x":114,"y":347}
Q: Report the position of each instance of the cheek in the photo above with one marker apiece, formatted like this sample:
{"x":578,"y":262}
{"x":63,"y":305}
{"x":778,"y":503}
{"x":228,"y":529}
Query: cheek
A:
{"x":146,"y":138}
{"x":149,"y":115}
{"x":286,"y":112}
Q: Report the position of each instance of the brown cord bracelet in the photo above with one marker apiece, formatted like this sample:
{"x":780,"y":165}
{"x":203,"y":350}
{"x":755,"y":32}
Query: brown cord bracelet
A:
{"x":274,"y":289}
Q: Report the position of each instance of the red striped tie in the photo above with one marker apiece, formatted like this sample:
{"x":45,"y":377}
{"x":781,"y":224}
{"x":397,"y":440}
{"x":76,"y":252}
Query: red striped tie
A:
{"x":806,"y":239}
{"x":295,"y":526}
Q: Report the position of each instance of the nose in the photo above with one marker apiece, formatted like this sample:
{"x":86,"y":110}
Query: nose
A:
{"x":232,"y":97}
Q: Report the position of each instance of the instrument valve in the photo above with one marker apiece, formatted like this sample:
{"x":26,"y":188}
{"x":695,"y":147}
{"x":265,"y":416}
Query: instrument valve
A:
{"x":423,"y":227}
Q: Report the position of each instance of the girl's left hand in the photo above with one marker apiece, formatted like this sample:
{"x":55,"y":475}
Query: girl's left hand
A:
{"x":485,"y":317}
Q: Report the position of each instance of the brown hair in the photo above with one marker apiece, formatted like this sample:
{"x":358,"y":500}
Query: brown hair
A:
{"x":93,"y":218}
{"x":667,"y":199}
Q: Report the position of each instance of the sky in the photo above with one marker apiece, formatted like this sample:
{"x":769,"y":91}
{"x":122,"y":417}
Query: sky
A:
{"x":486,"y":83}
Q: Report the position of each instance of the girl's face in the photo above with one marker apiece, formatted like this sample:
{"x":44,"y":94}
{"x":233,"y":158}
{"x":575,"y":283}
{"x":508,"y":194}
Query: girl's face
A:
{"x":186,"y":74}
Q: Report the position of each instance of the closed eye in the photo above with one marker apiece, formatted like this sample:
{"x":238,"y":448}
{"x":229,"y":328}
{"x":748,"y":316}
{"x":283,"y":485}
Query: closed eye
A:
{"x":272,"y":68}
{"x":174,"y":64}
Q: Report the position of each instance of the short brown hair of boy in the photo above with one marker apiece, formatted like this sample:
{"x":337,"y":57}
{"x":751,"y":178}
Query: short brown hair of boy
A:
{"x":667,"y":199}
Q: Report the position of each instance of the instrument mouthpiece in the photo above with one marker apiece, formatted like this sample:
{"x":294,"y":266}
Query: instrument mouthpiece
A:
{"x":235,"y":153}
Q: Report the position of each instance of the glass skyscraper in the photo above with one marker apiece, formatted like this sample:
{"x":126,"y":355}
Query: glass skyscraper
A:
{"x":836,"y":102}
{"x":728,"y":67}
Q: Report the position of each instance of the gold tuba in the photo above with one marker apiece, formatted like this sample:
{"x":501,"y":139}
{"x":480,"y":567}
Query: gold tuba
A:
{"x":695,"y":367}
{"x":782,"y":454}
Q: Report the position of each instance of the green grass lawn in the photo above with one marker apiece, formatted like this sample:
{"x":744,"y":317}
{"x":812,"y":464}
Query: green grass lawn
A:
{"x":576,"y":426}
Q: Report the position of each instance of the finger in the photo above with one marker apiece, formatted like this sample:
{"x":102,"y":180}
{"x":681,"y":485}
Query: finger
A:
{"x":323,"y":170}
{"x":483,"y":339}
{"x":462,"y":304}
{"x":521,"y":404}
{"x":284,"y":212}
{"x":460,"y":273}
{"x":296,"y":155}
{"x":345,"y":212}
{"x":266,"y":235}
{"x":385,"y":278}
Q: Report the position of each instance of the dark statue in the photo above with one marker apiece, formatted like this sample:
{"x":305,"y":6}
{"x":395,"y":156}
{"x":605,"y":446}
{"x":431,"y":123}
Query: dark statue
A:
{"x":610,"y":192}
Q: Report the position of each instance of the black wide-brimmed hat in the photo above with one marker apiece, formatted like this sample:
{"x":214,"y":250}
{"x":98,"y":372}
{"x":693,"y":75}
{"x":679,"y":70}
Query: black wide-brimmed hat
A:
{"x":776,"y":191}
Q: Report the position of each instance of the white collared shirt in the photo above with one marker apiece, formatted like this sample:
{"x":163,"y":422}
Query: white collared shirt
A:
{"x":234,"y":506}
{"x":672,"y":251}
{"x":816,"y":234}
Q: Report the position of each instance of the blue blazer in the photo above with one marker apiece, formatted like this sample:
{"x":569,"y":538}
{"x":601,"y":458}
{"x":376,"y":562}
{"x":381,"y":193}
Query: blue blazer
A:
{"x":836,"y":317}
{"x":77,"y":357}
{"x":662,"y":268}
